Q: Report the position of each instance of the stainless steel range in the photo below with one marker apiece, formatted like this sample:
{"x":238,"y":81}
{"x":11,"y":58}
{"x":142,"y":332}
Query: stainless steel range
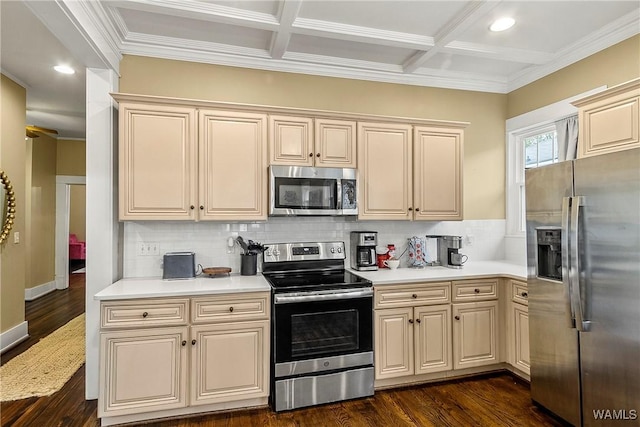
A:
{"x":322,"y":327}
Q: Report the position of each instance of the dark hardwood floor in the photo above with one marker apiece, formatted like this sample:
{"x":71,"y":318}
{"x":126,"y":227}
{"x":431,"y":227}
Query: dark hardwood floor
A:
{"x":495,"y":400}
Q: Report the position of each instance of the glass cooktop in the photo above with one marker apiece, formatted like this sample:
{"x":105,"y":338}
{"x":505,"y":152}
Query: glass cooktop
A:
{"x":316,"y":280}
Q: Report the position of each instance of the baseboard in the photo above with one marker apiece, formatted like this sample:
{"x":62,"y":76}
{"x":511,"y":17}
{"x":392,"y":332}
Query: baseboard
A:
{"x":37,"y":291}
{"x":14,"y":336}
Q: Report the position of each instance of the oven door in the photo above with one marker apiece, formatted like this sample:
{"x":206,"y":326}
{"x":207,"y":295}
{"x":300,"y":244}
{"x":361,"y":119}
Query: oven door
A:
{"x":321,"y":331}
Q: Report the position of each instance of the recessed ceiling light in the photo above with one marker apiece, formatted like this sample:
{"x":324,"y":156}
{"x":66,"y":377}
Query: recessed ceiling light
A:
{"x":64,"y":69}
{"x":502,"y":24}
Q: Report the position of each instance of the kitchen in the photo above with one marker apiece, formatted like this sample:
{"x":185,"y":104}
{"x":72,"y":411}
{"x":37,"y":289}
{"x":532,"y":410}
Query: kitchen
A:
{"x":483,"y":227}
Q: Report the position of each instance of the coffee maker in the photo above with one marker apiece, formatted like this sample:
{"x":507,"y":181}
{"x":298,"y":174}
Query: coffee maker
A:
{"x":363,"y":250}
{"x":448,"y":247}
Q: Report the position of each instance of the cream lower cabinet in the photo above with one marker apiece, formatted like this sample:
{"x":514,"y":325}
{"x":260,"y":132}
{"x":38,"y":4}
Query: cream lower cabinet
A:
{"x":410,"y":172}
{"x":412,"y":337}
{"x":475,"y":324}
{"x":518,"y":327}
{"x":217,"y":359}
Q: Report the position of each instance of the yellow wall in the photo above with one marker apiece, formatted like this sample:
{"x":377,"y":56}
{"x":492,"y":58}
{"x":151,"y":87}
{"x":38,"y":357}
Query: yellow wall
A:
{"x":617,"y":64}
{"x":42,"y":212}
{"x":71,"y":157}
{"x":13,"y":107}
{"x":484,"y":169}
{"x":72,"y":160}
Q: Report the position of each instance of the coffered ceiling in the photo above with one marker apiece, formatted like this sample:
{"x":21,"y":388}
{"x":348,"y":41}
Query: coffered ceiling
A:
{"x":418,"y":42}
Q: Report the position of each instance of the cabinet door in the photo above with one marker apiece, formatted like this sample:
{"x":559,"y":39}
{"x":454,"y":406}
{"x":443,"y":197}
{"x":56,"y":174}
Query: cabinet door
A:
{"x":157,"y":156}
{"x":142,"y":370}
{"x":520,"y":319}
{"x":291,"y":141}
{"x":335,"y":143}
{"x":233,"y":166}
{"x":394,"y":343}
{"x":384,"y":166}
{"x":229,"y":361}
{"x":433,"y":352}
{"x":437,"y":173}
{"x":475,"y":334}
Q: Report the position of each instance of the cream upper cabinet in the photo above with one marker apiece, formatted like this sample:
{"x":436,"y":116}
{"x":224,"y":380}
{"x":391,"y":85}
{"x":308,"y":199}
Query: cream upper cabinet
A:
{"x":158,"y":166}
{"x":335,"y":143}
{"x":437,"y":173}
{"x":385,"y":171}
{"x":295,"y":141}
{"x":233,"y":165}
{"x":609,"y":120}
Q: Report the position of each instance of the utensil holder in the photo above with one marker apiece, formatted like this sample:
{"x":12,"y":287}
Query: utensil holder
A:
{"x":248,"y":264}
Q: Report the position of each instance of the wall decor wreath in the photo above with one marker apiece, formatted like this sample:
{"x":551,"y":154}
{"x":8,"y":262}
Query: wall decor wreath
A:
{"x":8,"y":206}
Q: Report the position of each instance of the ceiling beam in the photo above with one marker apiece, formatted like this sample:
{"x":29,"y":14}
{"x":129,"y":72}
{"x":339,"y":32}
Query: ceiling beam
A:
{"x":452,"y":29}
{"x":288,"y":13}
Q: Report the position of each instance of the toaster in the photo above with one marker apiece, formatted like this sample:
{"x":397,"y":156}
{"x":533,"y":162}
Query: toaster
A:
{"x":179,"y":265}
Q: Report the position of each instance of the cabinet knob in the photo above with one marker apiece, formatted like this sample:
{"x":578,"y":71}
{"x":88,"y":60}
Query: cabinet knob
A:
{"x":417,"y":320}
{"x":411,"y":321}
{"x":457,"y":317}
{"x":417,"y":209}
{"x":476,"y":290}
{"x":201,"y":207}
{"x":145,"y":314}
{"x":524,"y":294}
{"x":310,"y":154}
{"x":414,"y":296}
{"x":230,"y":309}
{"x":410,"y":209}
{"x":192,"y":207}
{"x":193,"y":342}
{"x":184,"y":342}
{"x":318,"y":155}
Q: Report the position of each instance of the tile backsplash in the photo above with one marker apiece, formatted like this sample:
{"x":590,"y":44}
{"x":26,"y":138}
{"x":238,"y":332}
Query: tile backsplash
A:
{"x":482,"y":239}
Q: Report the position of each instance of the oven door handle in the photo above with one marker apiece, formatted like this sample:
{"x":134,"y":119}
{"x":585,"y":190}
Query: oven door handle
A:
{"x":322,"y":296}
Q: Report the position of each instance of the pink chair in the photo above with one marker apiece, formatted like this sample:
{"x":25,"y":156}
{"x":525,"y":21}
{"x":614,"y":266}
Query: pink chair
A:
{"x":77,"y":250}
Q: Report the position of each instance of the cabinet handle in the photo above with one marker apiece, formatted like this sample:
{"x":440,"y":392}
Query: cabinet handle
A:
{"x":184,"y":342}
{"x":410,"y":209}
{"x":201,"y":207}
{"x":476,"y":290}
{"x":193,"y":342}
{"x":417,"y":320}
{"x":417,"y":209}
{"x":411,"y":321}
{"x":192,"y":207}
{"x":524,"y":294}
{"x":457,"y":317}
{"x":310,"y":154}
{"x":145,"y":314}
{"x":318,"y":155}
{"x":414,"y":296}
{"x":230,"y":309}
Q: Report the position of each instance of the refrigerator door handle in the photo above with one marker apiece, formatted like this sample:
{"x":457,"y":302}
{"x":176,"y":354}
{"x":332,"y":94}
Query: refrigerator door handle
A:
{"x":582,"y":324}
{"x":564,"y":246}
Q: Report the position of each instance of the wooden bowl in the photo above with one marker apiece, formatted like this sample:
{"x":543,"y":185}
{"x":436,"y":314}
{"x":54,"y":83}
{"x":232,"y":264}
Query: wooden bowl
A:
{"x":213,"y":271}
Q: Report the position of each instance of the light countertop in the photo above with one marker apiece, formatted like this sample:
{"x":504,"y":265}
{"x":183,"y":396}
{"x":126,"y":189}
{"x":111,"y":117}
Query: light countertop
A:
{"x":470,"y":270}
{"x":157,"y":287}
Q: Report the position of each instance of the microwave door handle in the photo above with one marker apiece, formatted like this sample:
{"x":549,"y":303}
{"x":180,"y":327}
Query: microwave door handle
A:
{"x":339,"y":194}
{"x":564,"y":249}
{"x":582,"y":324}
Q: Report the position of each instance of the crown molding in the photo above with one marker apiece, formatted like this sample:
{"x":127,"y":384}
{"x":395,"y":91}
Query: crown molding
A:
{"x":498,"y":53}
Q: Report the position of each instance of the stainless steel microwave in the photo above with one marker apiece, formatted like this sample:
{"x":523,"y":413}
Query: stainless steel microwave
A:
{"x":303,"y":190}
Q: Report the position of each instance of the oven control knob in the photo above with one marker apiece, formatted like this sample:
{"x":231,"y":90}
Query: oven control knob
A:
{"x":326,"y":364}
{"x":339,"y":250}
{"x":333,"y":250}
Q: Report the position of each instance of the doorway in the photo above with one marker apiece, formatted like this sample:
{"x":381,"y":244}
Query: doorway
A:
{"x":64,"y":191}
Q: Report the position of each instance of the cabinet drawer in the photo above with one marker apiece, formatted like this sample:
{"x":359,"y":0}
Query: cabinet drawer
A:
{"x":475,"y":290}
{"x":392,"y":296}
{"x":223,"y":308}
{"x":519,"y":292}
{"x":144,"y":313}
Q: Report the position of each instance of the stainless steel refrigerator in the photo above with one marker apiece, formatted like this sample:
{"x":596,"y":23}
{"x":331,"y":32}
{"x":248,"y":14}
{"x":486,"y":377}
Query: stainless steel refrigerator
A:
{"x":583,"y":249}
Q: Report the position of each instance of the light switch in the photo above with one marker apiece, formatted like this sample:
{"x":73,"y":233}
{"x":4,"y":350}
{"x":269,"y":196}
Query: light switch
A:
{"x":16,"y":237}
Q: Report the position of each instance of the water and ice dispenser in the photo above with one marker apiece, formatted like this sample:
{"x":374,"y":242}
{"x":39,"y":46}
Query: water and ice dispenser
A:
{"x":549,"y":253}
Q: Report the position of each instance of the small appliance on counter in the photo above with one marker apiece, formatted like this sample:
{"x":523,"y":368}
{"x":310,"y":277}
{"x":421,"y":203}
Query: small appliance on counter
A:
{"x":363,"y":250}
{"x":448,"y":247}
{"x":179,"y":265}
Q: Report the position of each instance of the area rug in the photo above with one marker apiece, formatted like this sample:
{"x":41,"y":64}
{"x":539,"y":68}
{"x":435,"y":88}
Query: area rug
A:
{"x":45,"y":367}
